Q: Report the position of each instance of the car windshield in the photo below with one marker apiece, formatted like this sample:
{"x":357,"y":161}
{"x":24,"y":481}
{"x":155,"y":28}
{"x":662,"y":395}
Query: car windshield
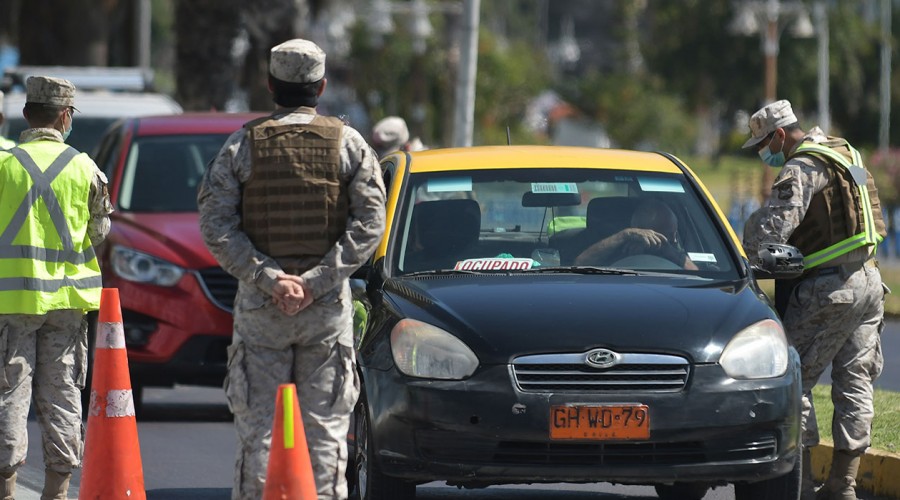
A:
{"x":162,"y":173}
{"x":552,"y":220}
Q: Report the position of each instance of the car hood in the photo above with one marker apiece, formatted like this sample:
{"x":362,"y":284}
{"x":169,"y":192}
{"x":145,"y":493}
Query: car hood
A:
{"x":503,"y":316}
{"x":174,"y":237}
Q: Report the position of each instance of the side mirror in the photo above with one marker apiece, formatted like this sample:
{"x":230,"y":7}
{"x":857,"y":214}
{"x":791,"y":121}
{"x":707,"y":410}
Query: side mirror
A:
{"x":778,"y":261}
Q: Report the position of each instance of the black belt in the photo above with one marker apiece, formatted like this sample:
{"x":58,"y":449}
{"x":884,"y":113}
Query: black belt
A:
{"x":849,"y":268}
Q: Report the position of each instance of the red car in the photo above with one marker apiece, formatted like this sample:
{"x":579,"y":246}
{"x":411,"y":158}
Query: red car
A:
{"x":176,"y":300}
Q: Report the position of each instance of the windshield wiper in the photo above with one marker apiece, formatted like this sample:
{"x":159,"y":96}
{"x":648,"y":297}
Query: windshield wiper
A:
{"x":583,"y":270}
{"x":433,"y":272}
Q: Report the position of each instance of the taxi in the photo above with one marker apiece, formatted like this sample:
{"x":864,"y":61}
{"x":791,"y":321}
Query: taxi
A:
{"x":543,"y":314}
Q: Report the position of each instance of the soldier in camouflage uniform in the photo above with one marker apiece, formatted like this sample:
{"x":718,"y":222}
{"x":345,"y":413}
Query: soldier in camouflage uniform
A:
{"x":825,"y":203}
{"x":4,"y":142}
{"x":54,"y":207}
{"x":291,"y":206}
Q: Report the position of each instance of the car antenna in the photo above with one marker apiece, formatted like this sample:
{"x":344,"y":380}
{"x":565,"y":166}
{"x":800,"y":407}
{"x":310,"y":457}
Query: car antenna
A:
{"x":508,"y":137}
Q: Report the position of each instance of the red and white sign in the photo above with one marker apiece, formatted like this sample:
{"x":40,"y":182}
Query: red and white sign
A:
{"x":494,"y":264}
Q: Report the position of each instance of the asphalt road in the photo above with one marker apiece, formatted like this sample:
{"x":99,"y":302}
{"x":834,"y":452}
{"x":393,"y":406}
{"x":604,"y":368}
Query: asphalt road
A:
{"x":187,"y":447}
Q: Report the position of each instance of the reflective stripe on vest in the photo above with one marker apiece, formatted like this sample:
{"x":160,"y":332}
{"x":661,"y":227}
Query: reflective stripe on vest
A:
{"x":84,"y":283}
{"x":869,"y":236}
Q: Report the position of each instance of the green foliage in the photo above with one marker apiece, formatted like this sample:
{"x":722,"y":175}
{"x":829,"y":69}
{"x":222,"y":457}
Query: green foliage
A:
{"x":693,"y":66}
{"x":637,"y":113}
{"x":509,"y":76}
{"x":885,"y":168}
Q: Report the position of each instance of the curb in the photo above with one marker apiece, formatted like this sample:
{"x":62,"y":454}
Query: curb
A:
{"x":879,"y":471}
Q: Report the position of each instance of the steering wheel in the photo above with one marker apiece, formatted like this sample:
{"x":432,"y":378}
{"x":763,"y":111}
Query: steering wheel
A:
{"x":646,"y":261}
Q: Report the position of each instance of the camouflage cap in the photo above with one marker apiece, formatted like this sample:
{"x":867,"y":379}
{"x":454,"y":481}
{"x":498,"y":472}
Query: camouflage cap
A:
{"x":766,"y":120}
{"x":390,"y":133}
{"x":297,"y":61}
{"x":49,"y":90}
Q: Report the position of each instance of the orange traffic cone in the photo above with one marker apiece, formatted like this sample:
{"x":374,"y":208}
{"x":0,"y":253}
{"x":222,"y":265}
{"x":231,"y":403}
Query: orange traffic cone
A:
{"x":289,"y":475}
{"x":112,"y":466}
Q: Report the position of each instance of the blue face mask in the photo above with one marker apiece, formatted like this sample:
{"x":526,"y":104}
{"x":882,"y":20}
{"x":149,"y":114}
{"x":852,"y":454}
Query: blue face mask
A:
{"x":772,"y":159}
{"x":66,"y":134}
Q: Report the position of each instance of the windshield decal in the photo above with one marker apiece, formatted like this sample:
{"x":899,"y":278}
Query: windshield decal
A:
{"x":494,"y":264}
{"x":701,"y":257}
{"x":449,"y":185}
{"x":657,"y":185}
{"x":554,"y":187}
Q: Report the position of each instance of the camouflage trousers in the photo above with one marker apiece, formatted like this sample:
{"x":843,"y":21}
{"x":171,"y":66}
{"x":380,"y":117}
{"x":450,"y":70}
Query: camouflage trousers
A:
{"x":44,"y":358}
{"x":327,"y":388}
{"x":837,"y":319}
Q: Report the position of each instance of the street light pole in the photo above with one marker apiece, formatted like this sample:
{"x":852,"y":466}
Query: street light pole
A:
{"x":770,"y":50}
{"x":464,"y":113}
{"x":768,"y":18}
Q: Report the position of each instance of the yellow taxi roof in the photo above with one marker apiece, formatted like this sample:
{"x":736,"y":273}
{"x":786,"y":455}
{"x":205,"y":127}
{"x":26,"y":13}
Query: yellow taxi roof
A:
{"x":501,"y":157}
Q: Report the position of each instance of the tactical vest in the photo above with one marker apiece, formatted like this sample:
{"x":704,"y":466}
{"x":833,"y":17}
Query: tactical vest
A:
{"x":295,"y":203}
{"x":844,"y":216}
{"x":47,"y":261}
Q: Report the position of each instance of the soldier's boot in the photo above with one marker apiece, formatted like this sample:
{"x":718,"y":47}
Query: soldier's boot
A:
{"x":808,"y":484}
{"x":8,"y":486}
{"x":56,"y":485}
{"x":841,"y":482}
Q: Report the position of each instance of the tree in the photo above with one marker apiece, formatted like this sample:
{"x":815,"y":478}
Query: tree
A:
{"x":71,"y":33}
{"x":205,"y":71}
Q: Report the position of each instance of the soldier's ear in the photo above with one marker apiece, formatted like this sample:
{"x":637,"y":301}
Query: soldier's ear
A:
{"x":322,"y":87}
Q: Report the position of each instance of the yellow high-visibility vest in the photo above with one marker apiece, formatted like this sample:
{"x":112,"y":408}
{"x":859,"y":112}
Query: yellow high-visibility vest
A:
{"x":6,"y":143}
{"x":869,"y":236}
{"x":47,"y":261}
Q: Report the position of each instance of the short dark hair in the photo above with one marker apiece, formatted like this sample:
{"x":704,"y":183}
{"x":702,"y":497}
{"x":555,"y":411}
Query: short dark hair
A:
{"x":40,"y":115}
{"x":292,"y":95}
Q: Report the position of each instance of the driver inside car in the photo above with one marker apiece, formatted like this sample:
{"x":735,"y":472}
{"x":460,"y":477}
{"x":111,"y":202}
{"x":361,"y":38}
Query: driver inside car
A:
{"x":653,"y":231}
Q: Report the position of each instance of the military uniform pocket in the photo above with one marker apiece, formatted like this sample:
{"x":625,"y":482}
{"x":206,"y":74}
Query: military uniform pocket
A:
{"x":81,"y":352}
{"x":236,"y":386}
{"x":836,"y":297}
{"x":348,"y":391}
{"x":4,"y":349}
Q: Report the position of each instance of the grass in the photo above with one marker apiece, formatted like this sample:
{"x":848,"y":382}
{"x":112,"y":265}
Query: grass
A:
{"x":885,"y":427}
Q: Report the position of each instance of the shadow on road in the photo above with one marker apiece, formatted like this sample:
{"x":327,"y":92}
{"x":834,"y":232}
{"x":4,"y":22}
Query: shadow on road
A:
{"x":184,"y":412}
{"x":190,"y":494}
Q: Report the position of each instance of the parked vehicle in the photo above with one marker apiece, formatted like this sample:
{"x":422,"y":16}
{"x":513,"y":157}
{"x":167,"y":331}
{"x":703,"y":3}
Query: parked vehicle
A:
{"x":103,"y":95}
{"x":488,"y":355}
{"x":176,"y":300}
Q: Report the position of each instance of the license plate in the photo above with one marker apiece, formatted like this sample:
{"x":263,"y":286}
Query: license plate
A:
{"x":600,"y":422}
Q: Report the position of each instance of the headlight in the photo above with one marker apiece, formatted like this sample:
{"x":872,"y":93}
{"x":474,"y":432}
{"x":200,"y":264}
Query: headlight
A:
{"x":758,"y":351}
{"x":143,"y":268}
{"x":422,"y":350}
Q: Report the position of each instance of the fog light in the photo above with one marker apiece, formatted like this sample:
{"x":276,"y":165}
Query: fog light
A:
{"x":138,"y":328}
{"x":136,"y":336}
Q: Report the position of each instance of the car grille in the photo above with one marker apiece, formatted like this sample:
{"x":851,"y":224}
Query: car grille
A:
{"x":687,"y":452}
{"x":440,"y":446}
{"x":220,"y":287}
{"x":570,"y":372}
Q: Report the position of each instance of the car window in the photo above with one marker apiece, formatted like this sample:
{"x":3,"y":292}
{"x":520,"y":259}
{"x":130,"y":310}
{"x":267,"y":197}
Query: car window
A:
{"x":85,"y":136}
{"x":161,"y":174}
{"x":523,"y":219}
{"x":108,"y":151}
